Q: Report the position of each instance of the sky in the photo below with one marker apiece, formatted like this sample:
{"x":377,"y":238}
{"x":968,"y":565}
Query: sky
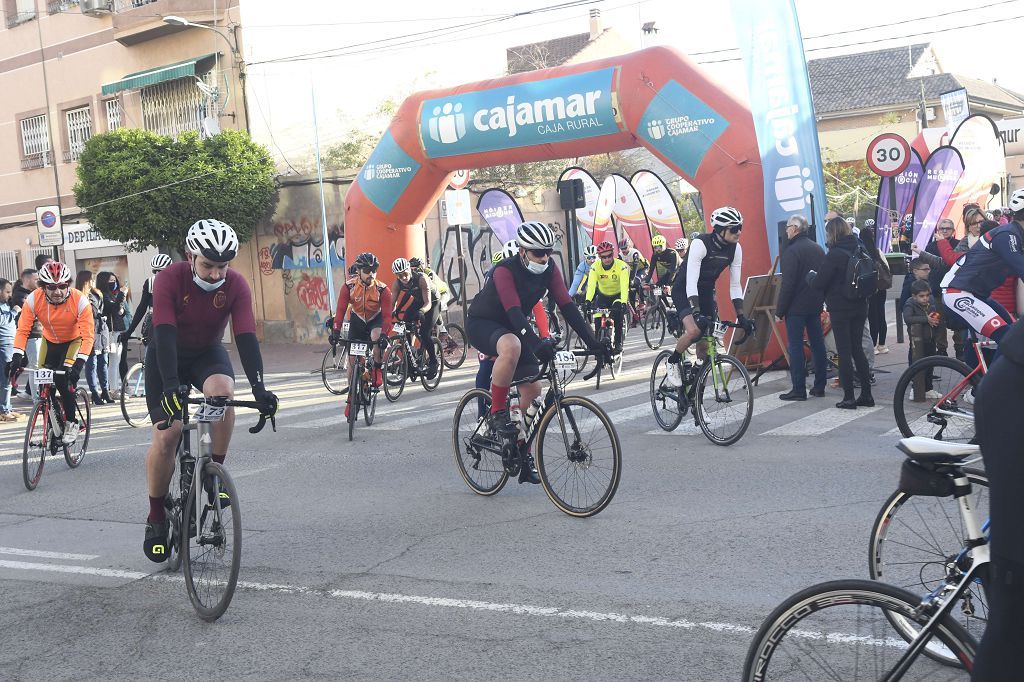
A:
{"x":392,"y":48}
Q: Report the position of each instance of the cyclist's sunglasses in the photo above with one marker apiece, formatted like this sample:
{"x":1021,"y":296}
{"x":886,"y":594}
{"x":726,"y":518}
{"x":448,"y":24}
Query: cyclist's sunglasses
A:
{"x":734,"y":230}
{"x":540,"y":253}
{"x":607,"y":255}
{"x":55,"y":287}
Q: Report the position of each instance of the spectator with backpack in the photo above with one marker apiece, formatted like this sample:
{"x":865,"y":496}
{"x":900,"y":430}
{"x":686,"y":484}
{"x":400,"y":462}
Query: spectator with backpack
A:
{"x":876,"y":302}
{"x":848,"y":277}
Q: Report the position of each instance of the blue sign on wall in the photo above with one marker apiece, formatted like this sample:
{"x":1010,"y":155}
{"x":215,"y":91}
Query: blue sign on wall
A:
{"x":681,"y":126}
{"x":540,"y":112}
{"x":387,"y":173}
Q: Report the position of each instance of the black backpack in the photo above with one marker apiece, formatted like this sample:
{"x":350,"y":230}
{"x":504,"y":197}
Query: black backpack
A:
{"x":861,"y":275}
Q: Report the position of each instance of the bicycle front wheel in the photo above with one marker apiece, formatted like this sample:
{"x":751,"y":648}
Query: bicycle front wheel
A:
{"x":334,"y":369}
{"x":477,"y":453}
{"x":840,"y":630}
{"x":724,"y":398}
{"x":396,"y":371}
{"x":654,"y":327}
{"x":212,"y":556}
{"x":454,"y":347}
{"x":353,"y":398}
{"x":668,"y":411}
{"x":934,"y":398}
{"x":578,"y":456}
{"x":369,"y":401}
{"x":75,"y":453}
{"x":916,"y":543}
{"x":37,"y":442}
{"x":133,"y":397}
{"x":431,"y":384}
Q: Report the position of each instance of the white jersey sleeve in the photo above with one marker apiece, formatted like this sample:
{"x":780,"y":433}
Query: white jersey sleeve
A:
{"x":693,"y":260}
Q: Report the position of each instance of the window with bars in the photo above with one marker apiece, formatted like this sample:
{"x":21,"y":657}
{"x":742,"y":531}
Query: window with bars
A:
{"x":79,"y":131}
{"x":113,"y":114}
{"x":35,"y":136}
{"x":173,"y":107}
{"x":35,"y":252}
{"x":9,"y":265}
{"x":23,"y":10}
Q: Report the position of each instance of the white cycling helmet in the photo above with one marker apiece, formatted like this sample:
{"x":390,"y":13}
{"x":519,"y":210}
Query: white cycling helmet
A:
{"x":54,"y":273}
{"x":213,"y":239}
{"x":726,"y":217}
{"x":590,"y":251}
{"x":535,"y":235}
{"x":1017,"y":200}
{"x":870,"y":222}
{"x":510,"y":249}
{"x":681,"y":243}
{"x":400,"y":265}
{"x":160,"y":261}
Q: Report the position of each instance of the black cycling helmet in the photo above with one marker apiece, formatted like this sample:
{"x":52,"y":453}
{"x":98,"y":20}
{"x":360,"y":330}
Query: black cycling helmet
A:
{"x":367,"y":260}
{"x":415,"y":263}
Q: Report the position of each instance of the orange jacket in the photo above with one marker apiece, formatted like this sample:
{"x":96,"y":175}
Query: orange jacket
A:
{"x":62,"y":323}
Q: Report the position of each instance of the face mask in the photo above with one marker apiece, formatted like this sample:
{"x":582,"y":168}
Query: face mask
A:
{"x":537,"y":268}
{"x":203,"y":284}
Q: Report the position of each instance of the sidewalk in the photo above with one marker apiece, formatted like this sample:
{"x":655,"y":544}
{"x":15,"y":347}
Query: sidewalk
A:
{"x":284,"y":358}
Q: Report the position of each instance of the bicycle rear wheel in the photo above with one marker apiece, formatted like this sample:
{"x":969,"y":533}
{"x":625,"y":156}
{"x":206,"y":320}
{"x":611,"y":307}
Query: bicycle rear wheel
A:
{"x":396,"y":371}
{"x":724,"y":398}
{"x":454,"y":347}
{"x":74,"y":454}
{"x":213,"y":555}
{"x":654,"y":327}
{"x":933,"y":398}
{"x":915,"y":544}
{"x":578,"y":456}
{"x":668,"y":411}
{"x":334,"y":369}
{"x":133,"y":397}
{"x":476,"y":452}
{"x":840,"y":630}
{"x":37,"y":442}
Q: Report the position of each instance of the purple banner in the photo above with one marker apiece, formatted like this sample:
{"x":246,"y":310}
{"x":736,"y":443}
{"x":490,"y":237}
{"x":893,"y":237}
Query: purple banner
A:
{"x":501,"y":213}
{"x":906,"y":188}
{"x":941,"y":173}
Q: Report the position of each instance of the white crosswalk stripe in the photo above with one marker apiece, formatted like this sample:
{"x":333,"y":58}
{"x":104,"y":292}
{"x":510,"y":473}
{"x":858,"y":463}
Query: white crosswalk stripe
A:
{"x":820,"y":422}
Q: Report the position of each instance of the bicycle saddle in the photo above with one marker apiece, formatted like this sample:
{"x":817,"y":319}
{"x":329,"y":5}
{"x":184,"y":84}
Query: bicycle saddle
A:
{"x":923,"y":449}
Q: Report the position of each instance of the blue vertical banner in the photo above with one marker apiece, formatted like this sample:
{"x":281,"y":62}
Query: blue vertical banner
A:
{"x":780,"y":102}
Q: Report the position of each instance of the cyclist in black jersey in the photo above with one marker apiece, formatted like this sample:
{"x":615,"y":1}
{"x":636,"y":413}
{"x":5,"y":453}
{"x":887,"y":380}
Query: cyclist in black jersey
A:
{"x":415,"y":305}
{"x":693,"y":289}
{"x":664,"y":263}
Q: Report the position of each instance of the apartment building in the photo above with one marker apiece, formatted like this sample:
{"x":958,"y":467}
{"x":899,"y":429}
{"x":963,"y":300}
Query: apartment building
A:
{"x":70,"y":69}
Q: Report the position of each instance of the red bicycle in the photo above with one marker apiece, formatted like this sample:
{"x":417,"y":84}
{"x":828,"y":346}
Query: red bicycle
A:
{"x":46,"y":427}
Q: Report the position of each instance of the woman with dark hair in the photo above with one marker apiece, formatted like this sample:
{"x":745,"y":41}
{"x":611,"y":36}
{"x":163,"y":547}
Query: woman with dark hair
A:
{"x":96,"y":365}
{"x":876,"y":302}
{"x":113,"y":310}
{"x":847,"y":315}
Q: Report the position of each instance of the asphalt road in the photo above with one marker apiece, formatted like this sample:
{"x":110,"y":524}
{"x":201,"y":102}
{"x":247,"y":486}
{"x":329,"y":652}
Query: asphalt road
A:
{"x":373,"y":559}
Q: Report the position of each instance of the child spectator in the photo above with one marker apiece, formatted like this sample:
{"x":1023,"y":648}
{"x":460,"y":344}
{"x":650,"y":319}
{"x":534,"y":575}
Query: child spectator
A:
{"x":922,"y":320}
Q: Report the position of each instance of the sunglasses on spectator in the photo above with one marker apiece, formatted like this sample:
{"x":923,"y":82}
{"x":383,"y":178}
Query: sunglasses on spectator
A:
{"x":540,"y":253}
{"x":55,"y":287}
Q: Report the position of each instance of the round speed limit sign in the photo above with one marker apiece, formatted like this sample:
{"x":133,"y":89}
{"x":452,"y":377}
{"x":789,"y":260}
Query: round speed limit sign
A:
{"x":888,"y":155}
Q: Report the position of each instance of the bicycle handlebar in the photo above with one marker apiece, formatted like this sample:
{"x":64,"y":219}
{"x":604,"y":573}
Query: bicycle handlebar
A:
{"x":224,"y":401}
{"x":734,"y":325}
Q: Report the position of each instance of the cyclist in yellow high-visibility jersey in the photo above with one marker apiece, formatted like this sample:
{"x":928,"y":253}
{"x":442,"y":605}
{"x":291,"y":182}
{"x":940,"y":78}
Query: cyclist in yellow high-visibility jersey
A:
{"x":608,"y":287}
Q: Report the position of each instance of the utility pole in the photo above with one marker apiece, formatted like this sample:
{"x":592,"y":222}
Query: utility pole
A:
{"x":49,"y":126}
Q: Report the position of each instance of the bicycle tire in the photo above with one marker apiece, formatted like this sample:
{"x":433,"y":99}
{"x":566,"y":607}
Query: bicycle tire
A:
{"x":201,"y":595}
{"x":133,"y":397}
{"x":654,"y":327}
{"x":907,"y":551}
{"x":578,"y":463}
{"x":431,"y":384}
{"x":369,"y":404}
{"x":481,"y":469}
{"x":353,"y":398}
{"x":816,"y":618}
{"x":395,"y":370}
{"x":664,"y":398}
{"x":701,"y":389}
{"x":74,"y":454}
{"x":35,"y":447}
{"x":172,"y":503}
{"x":917,"y":421}
{"x":455,"y":355}
{"x":334,"y":369}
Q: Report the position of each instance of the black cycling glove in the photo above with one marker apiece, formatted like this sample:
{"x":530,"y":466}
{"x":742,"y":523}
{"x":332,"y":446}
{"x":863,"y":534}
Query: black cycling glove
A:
{"x":74,"y":373}
{"x":267,"y":400}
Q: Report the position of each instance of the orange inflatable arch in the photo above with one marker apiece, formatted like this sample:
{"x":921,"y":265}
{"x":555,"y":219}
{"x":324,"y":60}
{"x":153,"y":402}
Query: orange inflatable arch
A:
{"x":655,"y":98}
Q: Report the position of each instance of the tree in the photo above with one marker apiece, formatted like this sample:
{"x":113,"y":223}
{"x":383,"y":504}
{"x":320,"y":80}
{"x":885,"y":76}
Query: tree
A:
{"x":851,"y":188}
{"x":144,"y":189}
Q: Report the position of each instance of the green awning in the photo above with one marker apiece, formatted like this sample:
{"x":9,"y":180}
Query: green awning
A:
{"x":158,"y":75}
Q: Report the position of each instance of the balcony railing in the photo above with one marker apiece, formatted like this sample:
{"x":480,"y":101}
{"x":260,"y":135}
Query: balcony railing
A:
{"x":126,"y":5}
{"x":58,"y":6}
{"x":41,"y":160}
{"x":15,"y":18}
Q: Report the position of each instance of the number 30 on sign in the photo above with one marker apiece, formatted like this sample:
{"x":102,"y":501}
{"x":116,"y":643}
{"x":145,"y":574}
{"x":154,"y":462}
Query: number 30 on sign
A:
{"x":888,"y":155}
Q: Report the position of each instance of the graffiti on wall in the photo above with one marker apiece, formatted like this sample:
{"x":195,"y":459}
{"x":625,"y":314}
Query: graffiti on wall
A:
{"x":299,"y":245}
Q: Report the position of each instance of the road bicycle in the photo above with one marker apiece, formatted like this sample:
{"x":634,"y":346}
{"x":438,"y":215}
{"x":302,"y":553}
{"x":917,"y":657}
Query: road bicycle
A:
{"x":452,"y":338}
{"x":844,"y":629}
{"x":406,"y":359}
{"x":656,"y":317}
{"x":578,"y":453}
{"x":212,"y":552}
{"x":604,"y":332}
{"x":934,"y":397}
{"x":334,"y":366}
{"x":718,"y":391}
{"x":362,"y":394}
{"x":133,"y":390}
{"x":44,"y":434}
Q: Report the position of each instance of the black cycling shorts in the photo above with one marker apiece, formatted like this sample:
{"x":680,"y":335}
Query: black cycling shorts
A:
{"x":705,"y":297}
{"x":484,"y":334}
{"x":359,"y":329}
{"x":194,"y":368}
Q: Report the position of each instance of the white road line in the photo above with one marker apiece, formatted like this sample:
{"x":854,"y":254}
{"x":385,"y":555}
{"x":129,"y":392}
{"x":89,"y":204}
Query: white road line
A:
{"x":765,"y":403}
{"x":820,"y":422}
{"x":80,"y":570}
{"x":48,"y":555}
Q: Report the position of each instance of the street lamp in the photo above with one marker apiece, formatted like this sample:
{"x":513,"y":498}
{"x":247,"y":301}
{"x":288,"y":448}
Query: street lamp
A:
{"x":174,"y":20}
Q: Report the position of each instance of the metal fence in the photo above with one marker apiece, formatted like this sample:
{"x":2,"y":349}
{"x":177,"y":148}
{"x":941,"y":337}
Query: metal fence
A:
{"x":9,"y":265}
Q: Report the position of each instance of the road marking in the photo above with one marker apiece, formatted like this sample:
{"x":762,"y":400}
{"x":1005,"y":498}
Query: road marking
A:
{"x":765,"y":403}
{"x":820,"y":422}
{"x":48,"y":555}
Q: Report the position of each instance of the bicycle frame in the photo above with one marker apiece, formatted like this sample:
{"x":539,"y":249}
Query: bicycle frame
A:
{"x":965,"y":383}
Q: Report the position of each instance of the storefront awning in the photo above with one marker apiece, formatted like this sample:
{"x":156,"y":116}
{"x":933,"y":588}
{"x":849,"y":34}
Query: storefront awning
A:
{"x":158,"y":75}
